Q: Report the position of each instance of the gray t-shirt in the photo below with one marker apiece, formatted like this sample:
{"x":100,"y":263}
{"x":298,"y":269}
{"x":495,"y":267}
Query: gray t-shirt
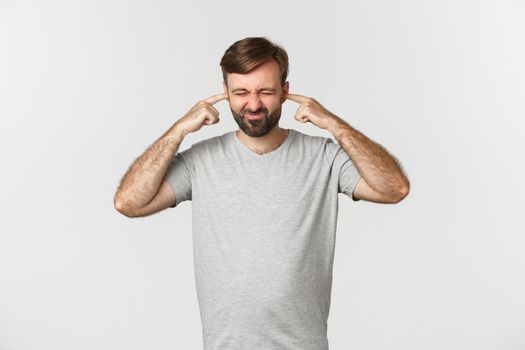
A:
{"x":263,"y":237}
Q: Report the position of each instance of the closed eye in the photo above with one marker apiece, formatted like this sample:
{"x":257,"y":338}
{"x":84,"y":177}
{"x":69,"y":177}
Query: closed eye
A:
{"x":244,"y":93}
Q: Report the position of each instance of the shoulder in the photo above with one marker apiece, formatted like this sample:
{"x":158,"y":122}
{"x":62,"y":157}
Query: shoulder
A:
{"x":309,"y":140}
{"x":317,"y":144}
{"x":213,"y":143}
{"x":206,"y":148}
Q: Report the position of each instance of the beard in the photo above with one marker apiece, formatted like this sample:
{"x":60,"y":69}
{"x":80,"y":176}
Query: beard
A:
{"x":257,"y":128}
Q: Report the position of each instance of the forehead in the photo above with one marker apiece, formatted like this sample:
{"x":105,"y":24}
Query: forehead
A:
{"x":267,"y":74}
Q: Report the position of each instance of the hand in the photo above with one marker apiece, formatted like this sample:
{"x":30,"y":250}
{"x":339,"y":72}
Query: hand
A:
{"x":202,"y":113}
{"x":311,"y":111}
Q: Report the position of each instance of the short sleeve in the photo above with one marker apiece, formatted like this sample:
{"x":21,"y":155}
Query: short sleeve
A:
{"x":343,"y":167}
{"x":178,"y":176}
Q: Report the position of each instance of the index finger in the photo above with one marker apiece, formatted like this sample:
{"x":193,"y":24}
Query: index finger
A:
{"x":296,"y":98}
{"x":216,"y":98}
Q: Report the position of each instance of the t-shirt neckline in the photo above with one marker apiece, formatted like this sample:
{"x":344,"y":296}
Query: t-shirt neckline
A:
{"x":270,"y":154}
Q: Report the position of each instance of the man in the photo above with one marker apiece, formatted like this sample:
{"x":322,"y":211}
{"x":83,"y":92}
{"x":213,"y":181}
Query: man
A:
{"x":264,"y":203}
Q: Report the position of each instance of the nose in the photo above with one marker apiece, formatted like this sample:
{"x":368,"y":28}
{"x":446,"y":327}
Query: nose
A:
{"x":254,"y":102}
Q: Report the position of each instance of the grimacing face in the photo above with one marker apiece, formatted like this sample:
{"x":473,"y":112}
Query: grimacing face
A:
{"x":258,"y":92}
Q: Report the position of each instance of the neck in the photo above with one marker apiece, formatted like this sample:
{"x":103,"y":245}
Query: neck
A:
{"x":266,"y":143}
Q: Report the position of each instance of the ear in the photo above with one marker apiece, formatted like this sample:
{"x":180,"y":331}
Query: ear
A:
{"x":225,"y":88}
{"x":286,"y":88}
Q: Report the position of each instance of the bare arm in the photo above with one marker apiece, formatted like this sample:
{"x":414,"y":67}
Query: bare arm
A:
{"x":140,"y":192}
{"x":142,"y":180}
{"x":385,"y":181}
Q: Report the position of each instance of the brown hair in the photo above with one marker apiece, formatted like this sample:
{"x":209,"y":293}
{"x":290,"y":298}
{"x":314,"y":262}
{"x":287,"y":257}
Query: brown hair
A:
{"x":247,"y":54}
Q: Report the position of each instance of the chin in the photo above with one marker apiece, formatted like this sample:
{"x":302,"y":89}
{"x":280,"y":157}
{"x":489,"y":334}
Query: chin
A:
{"x":257,"y":130}
{"x":254,"y":132}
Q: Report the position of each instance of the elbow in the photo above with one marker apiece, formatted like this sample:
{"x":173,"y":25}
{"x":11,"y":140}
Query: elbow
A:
{"x":402,"y":192}
{"x":122,"y":208}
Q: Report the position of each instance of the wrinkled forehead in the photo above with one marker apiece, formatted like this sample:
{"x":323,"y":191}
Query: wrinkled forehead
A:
{"x":267,"y":75}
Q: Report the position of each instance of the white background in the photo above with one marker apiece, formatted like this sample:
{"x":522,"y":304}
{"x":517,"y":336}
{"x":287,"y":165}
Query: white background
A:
{"x":87,"y":86}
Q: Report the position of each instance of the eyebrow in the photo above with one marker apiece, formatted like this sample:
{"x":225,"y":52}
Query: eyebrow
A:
{"x":265,"y":89}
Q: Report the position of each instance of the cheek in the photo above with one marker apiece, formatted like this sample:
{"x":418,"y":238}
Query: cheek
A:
{"x":236,"y":104}
{"x":274,"y":104}
{"x":271,"y":102}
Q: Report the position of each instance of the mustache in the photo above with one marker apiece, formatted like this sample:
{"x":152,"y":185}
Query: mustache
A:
{"x":261,"y":110}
